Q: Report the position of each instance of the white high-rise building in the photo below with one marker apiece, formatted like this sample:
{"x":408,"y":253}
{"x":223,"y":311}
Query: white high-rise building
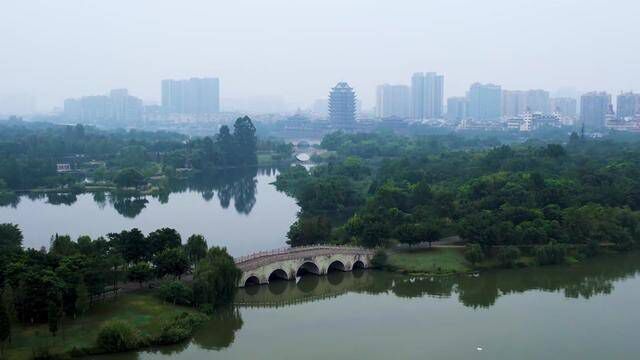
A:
{"x":427,"y":95}
{"x":393,"y":101}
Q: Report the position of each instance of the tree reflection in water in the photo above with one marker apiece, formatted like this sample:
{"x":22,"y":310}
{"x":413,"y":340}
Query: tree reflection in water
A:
{"x":591,"y":278}
{"x":219,"y":332}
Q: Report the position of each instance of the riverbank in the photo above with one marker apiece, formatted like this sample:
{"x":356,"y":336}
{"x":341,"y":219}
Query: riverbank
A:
{"x":433,"y":261}
{"x":450,"y":259}
{"x":141,"y":309}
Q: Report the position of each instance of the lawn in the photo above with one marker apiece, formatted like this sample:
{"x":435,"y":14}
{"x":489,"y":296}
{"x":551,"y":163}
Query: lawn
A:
{"x":141,"y":309}
{"x":431,"y":261}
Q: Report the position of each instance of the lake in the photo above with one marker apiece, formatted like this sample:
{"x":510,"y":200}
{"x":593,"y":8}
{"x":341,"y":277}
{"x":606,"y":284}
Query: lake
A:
{"x":237,"y":208}
{"x":585,"y":311}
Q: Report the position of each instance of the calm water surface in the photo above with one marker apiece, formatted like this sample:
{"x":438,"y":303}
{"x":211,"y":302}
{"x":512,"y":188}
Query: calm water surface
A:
{"x":239,"y":209}
{"x":579,"y":312}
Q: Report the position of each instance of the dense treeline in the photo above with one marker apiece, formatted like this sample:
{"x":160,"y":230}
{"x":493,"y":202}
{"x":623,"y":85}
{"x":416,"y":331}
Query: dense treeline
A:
{"x":418,"y":189}
{"x":40,"y":286}
{"x":29,"y":154}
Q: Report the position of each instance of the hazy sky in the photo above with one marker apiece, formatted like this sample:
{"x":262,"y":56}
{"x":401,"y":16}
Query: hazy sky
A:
{"x":56,"y":49}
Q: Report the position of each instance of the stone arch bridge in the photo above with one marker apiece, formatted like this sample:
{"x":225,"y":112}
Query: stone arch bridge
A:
{"x":289,"y":263}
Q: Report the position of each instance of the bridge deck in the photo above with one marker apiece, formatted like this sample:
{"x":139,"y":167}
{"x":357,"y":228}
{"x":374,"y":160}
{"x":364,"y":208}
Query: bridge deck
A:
{"x":257,"y":260}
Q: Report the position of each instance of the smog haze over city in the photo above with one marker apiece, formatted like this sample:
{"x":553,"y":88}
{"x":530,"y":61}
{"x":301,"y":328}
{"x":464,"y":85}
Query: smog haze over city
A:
{"x":299,"y":49}
{"x":306,"y":179}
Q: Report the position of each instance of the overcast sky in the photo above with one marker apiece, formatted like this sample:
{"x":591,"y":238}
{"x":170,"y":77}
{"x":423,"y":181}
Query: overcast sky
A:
{"x":56,"y":49}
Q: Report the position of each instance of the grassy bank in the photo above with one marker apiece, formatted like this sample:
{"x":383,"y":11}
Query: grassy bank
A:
{"x":142,"y":310}
{"x":429,"y":261}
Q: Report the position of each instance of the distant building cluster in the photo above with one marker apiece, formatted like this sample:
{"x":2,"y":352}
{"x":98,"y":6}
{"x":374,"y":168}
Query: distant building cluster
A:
{"x":191,"y":96}
{"x":118,"y":106}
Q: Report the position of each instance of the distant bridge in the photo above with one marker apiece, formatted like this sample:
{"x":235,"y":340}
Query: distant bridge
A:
{"x":289,"y":263}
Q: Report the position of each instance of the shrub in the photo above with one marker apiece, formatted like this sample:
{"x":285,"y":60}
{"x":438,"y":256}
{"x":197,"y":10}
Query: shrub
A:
{"x":180,"y":328}
{"x":176,"y":293}
{"x":508,"y":255}
{"x":118,"y":335}
{"x":551,"y":254}
{"x":379,"y":259}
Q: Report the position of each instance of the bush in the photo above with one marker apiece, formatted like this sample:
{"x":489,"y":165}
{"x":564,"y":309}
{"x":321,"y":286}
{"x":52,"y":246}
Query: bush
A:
{"x":551,"y":254}
{"x":176,"y":293}
{"x":118,"y":335}
{"x":508,"y":255}
{"x":180,"y":328}
{"x":473,"y":253}
{"x":379,"y":259}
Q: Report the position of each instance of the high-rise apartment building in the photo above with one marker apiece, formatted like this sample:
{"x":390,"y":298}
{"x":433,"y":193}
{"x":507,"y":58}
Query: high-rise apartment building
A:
{"x":342,"y":105}
{"x":427,"y":95}
{"x":393,"y":101}
{"x":565,"y":106}
{"x":628,"y":105}
{"x":538,"y":101}
{"x":118,"y":106}
{"x":456,"y":109}
{"x":593,"y":109}
{"x":516,"y":102}
{"x":192,"y":96}
{"x":485,"y":102}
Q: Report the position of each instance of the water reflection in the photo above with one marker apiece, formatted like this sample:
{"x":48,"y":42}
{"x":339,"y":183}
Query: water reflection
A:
{"x":236,"y":184}
{"x":595,"y":277}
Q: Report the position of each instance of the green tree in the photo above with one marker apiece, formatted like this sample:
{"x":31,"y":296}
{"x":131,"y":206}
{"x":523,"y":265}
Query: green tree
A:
{"x":140,"y":272}
{"x":309,"y":231}
{"x":62,"y":245}
{"x":244,"y":134}
{"x":5,"y":327}
{"x":172,"y":261}
{"x":162,"y":239}
{"x":508,"y":255}
{"x":82,"y":299}
{"x":129,"y":178}
{"x":54,"y":315}
{"x":196,"y":248}
{"x":10,"y":238}
{"x":473,"y":253}
{"x":9,"y":302}
{"x":216,"y":278}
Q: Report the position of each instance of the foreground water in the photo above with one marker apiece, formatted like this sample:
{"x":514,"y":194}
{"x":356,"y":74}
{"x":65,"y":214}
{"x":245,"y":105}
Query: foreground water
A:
{"x":239,"y":209}
{"x":587,"y":311}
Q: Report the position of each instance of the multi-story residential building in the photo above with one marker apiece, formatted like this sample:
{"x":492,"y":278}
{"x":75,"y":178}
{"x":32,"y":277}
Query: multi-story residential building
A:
{"x":593,"y":109}
{"x":427,"y":95}
{"x":628,"y":105}
{"x":342,"y":105}
{"x":119,"y":107}
{"x":538,"y":101}
{"x":485,"y":102}
{"x":192,"y":96}
{"x":516,"y":102}
{"x":565,"y":106}
{"x":456,"y":109}
{"x":393,"y":101}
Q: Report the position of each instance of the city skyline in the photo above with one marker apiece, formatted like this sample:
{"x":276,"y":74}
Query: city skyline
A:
{"x":131,"y":51}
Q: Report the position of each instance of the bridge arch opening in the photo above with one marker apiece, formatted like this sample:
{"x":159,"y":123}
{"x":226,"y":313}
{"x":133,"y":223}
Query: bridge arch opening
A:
{"x":251,"y":281}
{"x":336,"y":266}
{"x":308,"y":268}
{"x":358,"y":264}
{"x":278,"y":274}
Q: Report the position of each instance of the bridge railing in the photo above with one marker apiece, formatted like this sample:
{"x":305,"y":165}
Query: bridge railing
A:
{"x":291,"y":250}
